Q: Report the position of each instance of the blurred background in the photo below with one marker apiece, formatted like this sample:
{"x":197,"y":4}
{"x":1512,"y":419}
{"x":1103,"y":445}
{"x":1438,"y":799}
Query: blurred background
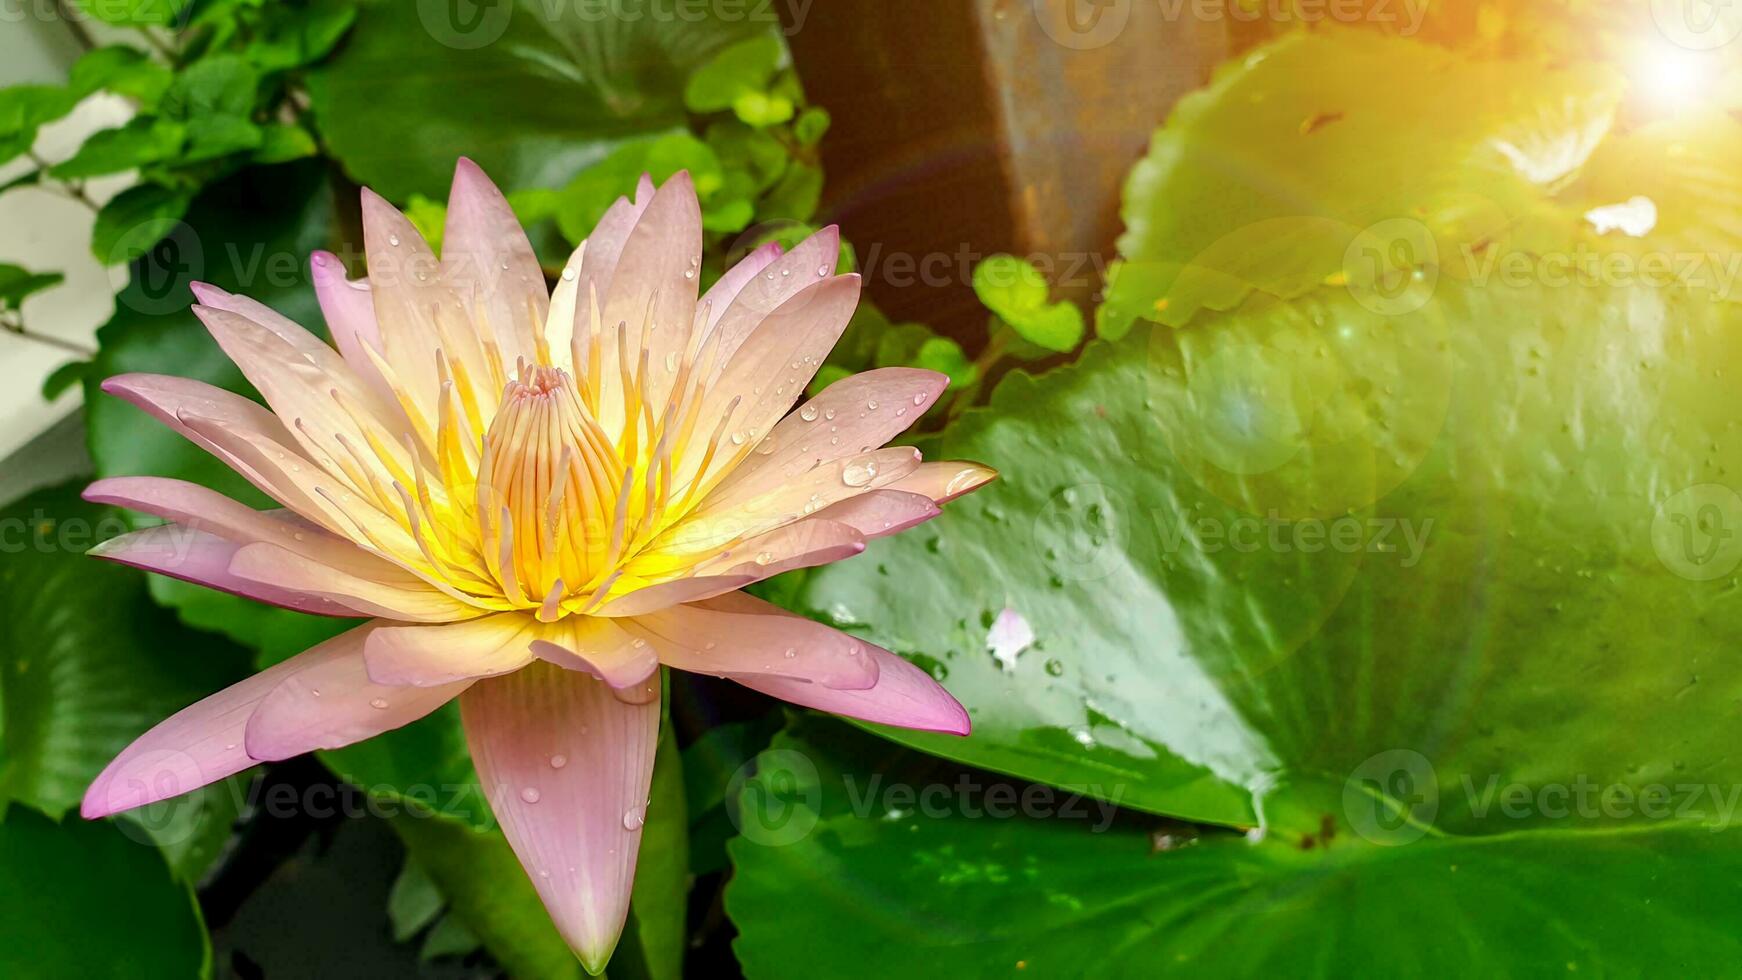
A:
{"x":1359,"y":593}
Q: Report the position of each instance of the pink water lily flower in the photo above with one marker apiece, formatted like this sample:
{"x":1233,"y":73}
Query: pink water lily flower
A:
{"x":535,"y":498}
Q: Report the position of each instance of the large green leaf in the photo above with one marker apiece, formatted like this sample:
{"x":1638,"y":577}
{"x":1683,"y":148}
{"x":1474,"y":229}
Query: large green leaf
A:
{"x":532,"y":91}
{"x":80,"y":899}
{"x":1343,"y":153}
{"x":884,"y":859}
{"x":88,"y":662}
{"x":1494,"y":531}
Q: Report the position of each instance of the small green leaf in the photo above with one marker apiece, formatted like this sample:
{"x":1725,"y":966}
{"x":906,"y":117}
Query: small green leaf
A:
{"x":1016,"y":291}
{"x":134,"y":220}
{"x":26,"y":108}
{"x":284,"y":142}
{"x":124,"y":71}
{"x":943,"y":355}
{"x":294,"y":36}
{"x":143,"y":141}
{"x":810,"y":126}
{"x":221,"y":85}
{"x":761,"y":109}
{"x":742,"y":68}
{"x":62,"y":378}
{"x":756,"y":153}
{"x":17,"y":283}
{"x":210,"y":137}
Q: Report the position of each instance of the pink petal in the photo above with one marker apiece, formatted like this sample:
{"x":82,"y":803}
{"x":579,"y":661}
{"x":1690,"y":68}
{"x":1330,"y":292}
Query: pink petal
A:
{"x":202,"y":509}
{"x":165,"y":398}
{"x":803,"y":544}
{"x":655,"y":597}
{"x":904,"y":696}
{"x":277,"y":568}
{"x":404,"y":282}
{"x":713,"y":526}
{"x":881,"y":512}
{"x":851,"y":416}
{"x":424,"y":656}
{"x":810,"y":261}
{"x":654,"y":283}
{"x":600,"y":254}
{"x":771,"y":369}
{"x":204,"y":559}
{"x":485,"y":254}
{"x":736,"y":635}
{"x":199,"y":744}
{"x":599,"y":647}
{"x":718,"y":299}
{"x":567,"y":768}
{"x":330,"y":702}
{"x":946,"y":480}
{"x":307,"y":390}
{"x":349,"y":310}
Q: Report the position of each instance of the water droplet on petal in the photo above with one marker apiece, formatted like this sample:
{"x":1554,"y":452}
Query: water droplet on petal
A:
{"x":568,"y":275}
{"x":638,"y":643}
{"x":378,"y":703}
{"x":737,"y":438}
{"x":764,"y":557}
{"x":808,"y":413}
{"x":919,"y":399}
{"x":829,"y":415}
{"x":393,"y":240}
{"x":791,"y":652}
{"x":530,"y":795}
{"x":558,"y":761}
{"x":822,"y":270}
{"x":859,"y":472}
{"x":634,"y":818}
{"x":872,"y":404}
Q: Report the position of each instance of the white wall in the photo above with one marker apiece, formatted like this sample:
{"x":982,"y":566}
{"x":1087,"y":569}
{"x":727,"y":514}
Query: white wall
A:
{"x":47,"y":232}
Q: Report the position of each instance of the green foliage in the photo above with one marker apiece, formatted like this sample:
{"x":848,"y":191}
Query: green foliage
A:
{"x":1016,"y":291}
{"x":981,"y":886}
{"x":80,"y":899}
{"x":18,"y":284}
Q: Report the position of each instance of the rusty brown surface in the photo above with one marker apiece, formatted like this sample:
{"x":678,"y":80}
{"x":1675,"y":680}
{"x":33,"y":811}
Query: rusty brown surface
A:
{"x":968,"y":127}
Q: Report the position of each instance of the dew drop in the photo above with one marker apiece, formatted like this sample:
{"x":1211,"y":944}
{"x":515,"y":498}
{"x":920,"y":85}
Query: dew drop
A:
{"x":859,"y":472}
{"x":919,"y":399}
{"x":568,"y":275}
{"x":530,"y":795}
{"x":829,"y":414}
{"x":393,"y":240}
{"x":634,"y":818}
{"x":638,"y":643}
{"x":1054,"y":668}
{"x":822,"y":270}
{"x":764,"y":557}
{"x":872,"y":404}
{"x":791,"y":652}
{"x":737,"y":438}
{"x":808,"y":413}
{"x":378,"y":703}
{"x":558,"y":761}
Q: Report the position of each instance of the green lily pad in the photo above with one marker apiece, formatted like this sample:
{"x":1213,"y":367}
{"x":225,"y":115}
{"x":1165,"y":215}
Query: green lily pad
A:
{"x":80,"y":899}
{"x":984,"y":878}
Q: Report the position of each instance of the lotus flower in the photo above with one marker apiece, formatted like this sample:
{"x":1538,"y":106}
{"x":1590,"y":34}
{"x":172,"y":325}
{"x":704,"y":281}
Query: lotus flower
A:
{"x":535,"y":498}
